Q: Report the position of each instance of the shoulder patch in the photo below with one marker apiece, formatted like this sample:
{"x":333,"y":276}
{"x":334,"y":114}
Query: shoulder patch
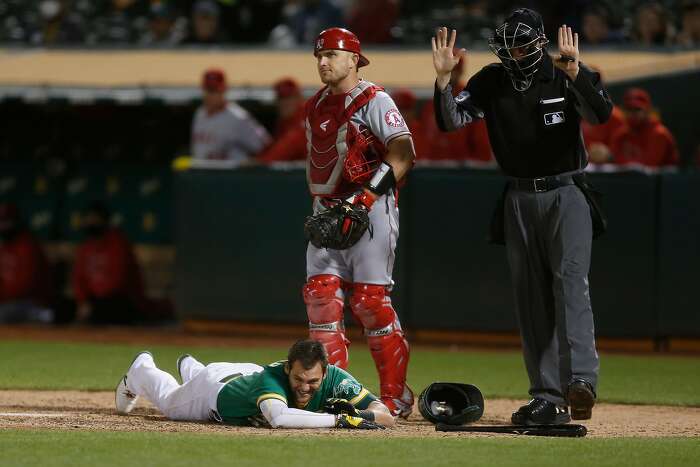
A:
{"x":347,"y":389}
{"x":393,"y":118}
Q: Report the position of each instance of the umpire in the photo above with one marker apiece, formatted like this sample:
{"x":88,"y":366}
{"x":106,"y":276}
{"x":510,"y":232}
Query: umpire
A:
{"x":533,"y":105}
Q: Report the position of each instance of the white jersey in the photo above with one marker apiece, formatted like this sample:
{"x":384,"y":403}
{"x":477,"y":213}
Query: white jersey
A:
{"x":382,"y":118}
{"x":229,"y":135}
{"x":371,"y":259}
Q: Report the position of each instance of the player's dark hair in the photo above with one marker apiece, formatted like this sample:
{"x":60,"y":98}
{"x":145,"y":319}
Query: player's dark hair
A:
{"x":308,"y":352}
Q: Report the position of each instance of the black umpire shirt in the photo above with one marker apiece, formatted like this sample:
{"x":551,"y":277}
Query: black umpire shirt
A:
{"x":533,"y":133}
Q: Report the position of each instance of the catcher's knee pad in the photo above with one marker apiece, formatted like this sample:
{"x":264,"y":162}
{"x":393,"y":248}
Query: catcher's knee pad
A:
{"x":323,"y":295}
{"x":371,"y":306}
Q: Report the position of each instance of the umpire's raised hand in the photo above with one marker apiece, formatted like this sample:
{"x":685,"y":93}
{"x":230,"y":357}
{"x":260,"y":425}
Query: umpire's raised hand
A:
{"x":444,"y":57}
{"x":568,"y":52}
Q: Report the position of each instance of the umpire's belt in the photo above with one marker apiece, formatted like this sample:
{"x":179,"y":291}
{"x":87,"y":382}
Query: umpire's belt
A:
{"x":541,"y":184}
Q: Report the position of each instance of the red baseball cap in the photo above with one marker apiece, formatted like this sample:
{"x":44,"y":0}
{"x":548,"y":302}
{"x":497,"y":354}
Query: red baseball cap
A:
{"x":637,"y":98}
{"x":214,"y":80}
{"x":286,"y":87}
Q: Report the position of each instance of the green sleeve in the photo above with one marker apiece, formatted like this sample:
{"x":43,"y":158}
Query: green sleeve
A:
{"x":273,"y":384}
{"x":345,"y":386}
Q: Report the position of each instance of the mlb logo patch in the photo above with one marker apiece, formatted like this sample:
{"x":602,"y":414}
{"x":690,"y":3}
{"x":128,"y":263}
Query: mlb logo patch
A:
{"x":554,"y":118}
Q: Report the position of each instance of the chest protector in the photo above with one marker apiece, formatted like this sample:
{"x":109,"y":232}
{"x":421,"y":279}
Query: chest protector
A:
{"x":340,"y":158}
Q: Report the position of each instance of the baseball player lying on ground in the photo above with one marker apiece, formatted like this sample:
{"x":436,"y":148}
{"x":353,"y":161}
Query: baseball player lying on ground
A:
{"x":303,"y":391}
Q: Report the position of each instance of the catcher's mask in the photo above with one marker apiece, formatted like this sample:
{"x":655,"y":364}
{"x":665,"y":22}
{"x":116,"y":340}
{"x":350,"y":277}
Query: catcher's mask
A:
{"x":523,"y":30}
{"x":451,"y":403}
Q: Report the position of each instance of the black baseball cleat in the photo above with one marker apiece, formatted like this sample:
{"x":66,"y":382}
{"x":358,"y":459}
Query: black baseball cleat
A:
{"x":581,"y":399}
{"x":540,"y":412}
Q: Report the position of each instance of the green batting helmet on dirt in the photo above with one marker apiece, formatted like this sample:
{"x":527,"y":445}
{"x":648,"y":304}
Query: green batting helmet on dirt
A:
{"x":451,"y":403}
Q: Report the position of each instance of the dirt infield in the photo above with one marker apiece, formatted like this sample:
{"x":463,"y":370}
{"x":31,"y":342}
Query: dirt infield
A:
{"x":77,"y":410}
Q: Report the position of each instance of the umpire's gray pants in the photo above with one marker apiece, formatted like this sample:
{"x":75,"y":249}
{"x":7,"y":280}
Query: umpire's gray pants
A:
{"x":548,"y":242}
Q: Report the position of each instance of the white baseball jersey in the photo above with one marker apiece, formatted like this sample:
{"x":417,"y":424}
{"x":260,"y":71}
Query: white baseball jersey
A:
{"x":371,"y":260}
{"x":231,"y":134}
{"x":382,"y":117}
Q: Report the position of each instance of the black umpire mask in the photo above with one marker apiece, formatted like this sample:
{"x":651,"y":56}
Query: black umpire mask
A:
{"x":519,"y":44}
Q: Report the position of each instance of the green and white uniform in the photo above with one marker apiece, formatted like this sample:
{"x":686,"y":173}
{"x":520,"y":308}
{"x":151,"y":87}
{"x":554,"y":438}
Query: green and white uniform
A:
{"x":239,"y":400}
{"x":233,"y":393}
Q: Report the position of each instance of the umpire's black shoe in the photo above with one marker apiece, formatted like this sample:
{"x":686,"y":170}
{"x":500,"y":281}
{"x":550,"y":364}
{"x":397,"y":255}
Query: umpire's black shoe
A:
{"x":581,"y":399}
{"x":540,"y":412}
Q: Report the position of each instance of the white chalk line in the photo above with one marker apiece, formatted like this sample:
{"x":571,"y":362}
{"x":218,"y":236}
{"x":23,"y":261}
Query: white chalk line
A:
{"x":33,"y":414}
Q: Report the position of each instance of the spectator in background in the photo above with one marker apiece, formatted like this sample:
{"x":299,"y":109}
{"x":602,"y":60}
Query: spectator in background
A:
{"x":372,"y":20}
{"x":644,"y":140}
{"x":289,"y":140}
{"x":59,"y":25}
{"x":107,"y":282}
{"x":221,"y":130}
{"x":122,"y":23}
{"x":652,"y":25}
{"x":205,"y":25}
{"x":25,"y":276}
{"x":407,"y":103}
{"x":290,"y":106}
{"x":164,"y":29}
{"x":689,"y":36}
{"x":304,"y":19}
{"x":598,"y":138}
{"x":596,"y":26}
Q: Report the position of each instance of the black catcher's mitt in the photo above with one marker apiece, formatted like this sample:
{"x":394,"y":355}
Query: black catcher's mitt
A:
{"x":339,"y":227}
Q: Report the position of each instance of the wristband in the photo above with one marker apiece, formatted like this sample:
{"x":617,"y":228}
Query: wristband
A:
{"x":383,"y":180}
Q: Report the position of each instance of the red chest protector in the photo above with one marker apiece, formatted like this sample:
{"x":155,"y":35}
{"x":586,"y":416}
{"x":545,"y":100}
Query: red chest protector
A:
{"x":339,"y":158}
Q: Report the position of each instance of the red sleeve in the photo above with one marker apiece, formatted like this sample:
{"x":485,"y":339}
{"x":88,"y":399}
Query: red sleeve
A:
{"x":290,"y":147}
{"x":20,"y":280}
{"x":614,"y":123}
{"x":479,"y":146}
{"x":616,"y":143}
{"x":420,"y":142}
{"x":80,"y":284}
{"x":118,"y":254}
{"x":671,"y":157}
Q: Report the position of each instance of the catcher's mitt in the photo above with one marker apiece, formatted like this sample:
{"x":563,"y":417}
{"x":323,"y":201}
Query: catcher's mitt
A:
{"x":339,"y":227}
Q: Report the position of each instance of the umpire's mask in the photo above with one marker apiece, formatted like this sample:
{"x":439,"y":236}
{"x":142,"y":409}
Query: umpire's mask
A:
{"x":522,"y":30}
{"x":451,"y":403}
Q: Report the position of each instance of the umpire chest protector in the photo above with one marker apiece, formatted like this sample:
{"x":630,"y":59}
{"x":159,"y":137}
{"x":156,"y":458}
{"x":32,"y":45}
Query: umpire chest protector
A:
{"x":336,"y":163}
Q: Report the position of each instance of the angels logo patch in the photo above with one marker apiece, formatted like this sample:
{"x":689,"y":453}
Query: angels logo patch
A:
{"x":394,"y":118}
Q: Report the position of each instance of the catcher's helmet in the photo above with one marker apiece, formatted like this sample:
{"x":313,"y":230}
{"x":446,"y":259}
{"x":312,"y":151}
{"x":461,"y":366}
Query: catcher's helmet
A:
{"x":522,"y":30}
{"x":340,"y":39}
{"x":451,"y":403}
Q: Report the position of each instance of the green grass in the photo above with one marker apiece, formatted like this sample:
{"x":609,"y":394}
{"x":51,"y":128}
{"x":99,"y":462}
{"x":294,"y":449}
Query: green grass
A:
{"x":85,"y":448}
{"x":624,"y":378}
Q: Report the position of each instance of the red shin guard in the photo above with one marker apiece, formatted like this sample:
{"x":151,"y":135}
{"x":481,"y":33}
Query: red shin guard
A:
{"x":324,"y":300}
{"x":372,"y":307}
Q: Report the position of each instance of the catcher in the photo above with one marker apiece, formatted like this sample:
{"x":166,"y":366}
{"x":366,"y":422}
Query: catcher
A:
{"x":358,"y":149}
{"x":303,"y":391}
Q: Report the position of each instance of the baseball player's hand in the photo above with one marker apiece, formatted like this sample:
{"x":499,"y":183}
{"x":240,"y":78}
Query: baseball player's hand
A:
{"x":348,"y":421}
{"x":444,"y":57}
{"x":340,"y":406}
{"x":568,"y":52}
{"x":364,"y":201}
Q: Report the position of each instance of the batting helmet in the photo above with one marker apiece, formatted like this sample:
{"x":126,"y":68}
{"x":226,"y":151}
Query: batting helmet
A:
{"x":340,"y":39}
{"x":451,"y":403}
